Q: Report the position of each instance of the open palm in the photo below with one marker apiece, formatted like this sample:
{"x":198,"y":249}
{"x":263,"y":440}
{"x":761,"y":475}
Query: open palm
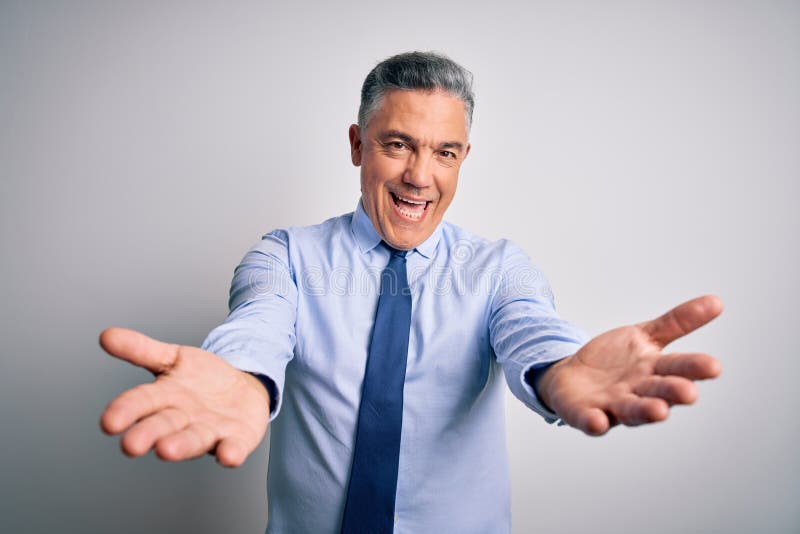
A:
{"x":624,"y":377}
{"x":198,"y":403}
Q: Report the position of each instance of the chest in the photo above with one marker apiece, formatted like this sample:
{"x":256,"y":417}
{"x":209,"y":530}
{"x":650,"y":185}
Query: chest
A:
{"x":449,"y":354}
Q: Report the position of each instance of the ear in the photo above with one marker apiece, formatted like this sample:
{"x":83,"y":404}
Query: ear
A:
{"x":355,"y":144}
{"x":466,"y":152}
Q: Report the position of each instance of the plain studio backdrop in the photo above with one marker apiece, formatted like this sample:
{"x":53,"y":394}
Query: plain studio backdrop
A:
{"x":641,"y":152}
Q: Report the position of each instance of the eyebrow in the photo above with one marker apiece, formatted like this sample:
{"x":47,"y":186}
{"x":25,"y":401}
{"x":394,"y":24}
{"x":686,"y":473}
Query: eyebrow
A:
{"x":452,"y":144}
{"x":397,"y":134}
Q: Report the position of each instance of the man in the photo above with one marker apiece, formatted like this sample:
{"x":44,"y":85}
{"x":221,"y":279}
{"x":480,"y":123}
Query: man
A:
{"x":375,"y":343}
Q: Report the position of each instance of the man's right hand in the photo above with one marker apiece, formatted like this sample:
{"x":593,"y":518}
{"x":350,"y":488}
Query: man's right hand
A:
{"x":198,"y":403}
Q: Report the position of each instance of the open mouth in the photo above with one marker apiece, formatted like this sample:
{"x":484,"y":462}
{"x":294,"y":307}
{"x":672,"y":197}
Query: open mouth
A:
{"x":410,"y":208}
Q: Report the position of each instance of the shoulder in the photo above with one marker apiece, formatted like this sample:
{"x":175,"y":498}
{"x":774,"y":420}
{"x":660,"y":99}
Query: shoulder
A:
{"x":322,"y":232}
{"x":294,"y":243}
{"x":292,"y":235}
{"x":464,"y":246}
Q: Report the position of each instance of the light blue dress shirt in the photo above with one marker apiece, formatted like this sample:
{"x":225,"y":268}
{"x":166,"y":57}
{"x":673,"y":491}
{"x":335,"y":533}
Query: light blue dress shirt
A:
{"x":303,"y":302}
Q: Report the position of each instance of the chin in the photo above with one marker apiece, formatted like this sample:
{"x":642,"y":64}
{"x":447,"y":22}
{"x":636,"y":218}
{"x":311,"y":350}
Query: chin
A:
{"x":404,"y":239}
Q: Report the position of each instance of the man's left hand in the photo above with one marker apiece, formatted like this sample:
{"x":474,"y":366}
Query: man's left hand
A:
{"x":624,"y":377}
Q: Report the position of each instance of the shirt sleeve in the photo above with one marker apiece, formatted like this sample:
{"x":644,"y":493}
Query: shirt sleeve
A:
{"x":259,"y":334}
{"x":525,"y":331}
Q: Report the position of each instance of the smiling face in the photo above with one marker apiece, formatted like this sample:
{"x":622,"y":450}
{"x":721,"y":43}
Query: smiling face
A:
{"x":410,"y":154}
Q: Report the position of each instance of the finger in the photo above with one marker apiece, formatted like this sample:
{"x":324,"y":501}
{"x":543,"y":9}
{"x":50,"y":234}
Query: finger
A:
{"x":132,"y":405}
{"x":232,"y":451}
{"x":673,"y":389}
{"x":193,"y":441}
{"x":592,"y":421}
{"x":143,"y":435}
{"x":692,"y":365}
{"x":683,"y":319}
{"x":632,"y":410}
{"x":138,"y":349}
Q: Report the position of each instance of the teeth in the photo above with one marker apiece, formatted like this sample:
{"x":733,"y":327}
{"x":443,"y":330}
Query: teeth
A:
{"x":413,"y":209}
{"x":410,"y":201}
{"x":409,"y":214}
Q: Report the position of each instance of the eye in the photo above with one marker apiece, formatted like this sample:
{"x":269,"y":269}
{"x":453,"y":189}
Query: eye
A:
{"x":397,"y":145}
{"x":447,"y":154}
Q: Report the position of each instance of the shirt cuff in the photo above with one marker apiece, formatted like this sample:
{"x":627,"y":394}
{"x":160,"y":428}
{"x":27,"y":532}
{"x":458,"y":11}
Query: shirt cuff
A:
{"x":272,"y":390}
{"x":530,"y":397}
{"x":528,"y":381}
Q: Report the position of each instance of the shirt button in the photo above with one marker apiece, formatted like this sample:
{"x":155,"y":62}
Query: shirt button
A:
{"x":395,"y":519}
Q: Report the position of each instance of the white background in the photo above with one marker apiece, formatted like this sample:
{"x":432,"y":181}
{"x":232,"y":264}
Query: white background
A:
{"x":642,"y":152}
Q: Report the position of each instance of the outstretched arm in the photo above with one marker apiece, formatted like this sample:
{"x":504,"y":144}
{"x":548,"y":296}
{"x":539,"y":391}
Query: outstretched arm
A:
{"x":198,"y":402}
{"x":624,"y":377}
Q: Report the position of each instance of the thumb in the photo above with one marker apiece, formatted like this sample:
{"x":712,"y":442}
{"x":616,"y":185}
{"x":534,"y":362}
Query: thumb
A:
{"x":683,"y":319}
{"x":138,"y":349}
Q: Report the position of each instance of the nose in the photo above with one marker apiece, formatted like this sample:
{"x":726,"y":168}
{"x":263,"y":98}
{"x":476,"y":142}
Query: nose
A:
{"x":419,"y":172}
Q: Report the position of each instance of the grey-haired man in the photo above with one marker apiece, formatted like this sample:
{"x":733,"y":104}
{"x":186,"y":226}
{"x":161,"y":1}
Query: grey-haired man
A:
{"x":295,"y":348}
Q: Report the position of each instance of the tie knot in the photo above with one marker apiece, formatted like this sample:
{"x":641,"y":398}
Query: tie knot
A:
{"x":394,"y":251}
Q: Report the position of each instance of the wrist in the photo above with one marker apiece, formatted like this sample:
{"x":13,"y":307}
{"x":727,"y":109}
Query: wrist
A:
{"x":541,"y":380}
{"x":264,"y":385}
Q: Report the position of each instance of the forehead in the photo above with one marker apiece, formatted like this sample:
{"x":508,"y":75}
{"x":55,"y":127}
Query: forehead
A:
{"x":421,"y":114}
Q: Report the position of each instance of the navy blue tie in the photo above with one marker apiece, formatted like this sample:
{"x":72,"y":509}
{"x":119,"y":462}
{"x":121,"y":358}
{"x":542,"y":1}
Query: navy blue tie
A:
{"x":373,"y":479}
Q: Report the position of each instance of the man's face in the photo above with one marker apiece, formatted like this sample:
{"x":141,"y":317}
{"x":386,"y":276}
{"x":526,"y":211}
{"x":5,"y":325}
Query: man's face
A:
{"x":410,"y":154}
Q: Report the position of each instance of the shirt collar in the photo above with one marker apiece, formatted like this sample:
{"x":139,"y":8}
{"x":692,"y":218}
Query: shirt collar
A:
{"x":367,"y":237}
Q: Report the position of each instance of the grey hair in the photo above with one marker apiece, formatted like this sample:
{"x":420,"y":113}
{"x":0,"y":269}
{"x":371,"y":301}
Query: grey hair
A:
{"x":415,"y":71}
